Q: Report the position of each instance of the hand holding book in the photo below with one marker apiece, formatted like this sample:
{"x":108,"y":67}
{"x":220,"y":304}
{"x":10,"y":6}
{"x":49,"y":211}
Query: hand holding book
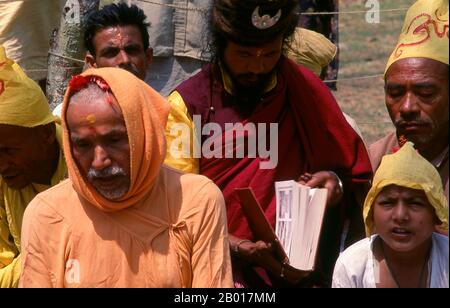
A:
{"x":324,"y":179}
{"x":274,"y":259}
{"x":263,"y":254}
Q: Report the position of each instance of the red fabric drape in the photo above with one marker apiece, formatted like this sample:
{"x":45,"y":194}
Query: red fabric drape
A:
{"x":313,"y":136}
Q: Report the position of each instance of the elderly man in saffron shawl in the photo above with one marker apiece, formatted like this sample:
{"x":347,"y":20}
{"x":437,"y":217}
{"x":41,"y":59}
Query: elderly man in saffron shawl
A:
{"x":122,"y":219}
{"x":250,"y":82}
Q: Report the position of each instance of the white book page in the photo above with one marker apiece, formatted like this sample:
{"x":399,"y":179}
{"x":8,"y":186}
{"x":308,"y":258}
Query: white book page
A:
{"x":315,"y":213}
{"x":298,"y":237}
{"x":285,"y":192}
{"x":300,"y":211}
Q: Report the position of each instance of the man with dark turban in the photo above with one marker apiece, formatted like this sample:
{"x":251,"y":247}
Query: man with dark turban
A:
{"x":251,"y":83}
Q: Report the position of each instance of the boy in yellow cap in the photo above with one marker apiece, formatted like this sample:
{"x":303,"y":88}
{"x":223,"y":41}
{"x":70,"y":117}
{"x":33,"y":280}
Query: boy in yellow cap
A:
{"x":401,"y":210}
{"x":30,"y":158}
{"x":416,"y":86}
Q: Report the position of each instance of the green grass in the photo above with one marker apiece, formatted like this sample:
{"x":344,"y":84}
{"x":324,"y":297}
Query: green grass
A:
{"x":364,"y":50}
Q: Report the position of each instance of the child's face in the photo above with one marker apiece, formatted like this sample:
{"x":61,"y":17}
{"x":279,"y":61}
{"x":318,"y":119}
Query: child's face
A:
{"x":404,"y":218}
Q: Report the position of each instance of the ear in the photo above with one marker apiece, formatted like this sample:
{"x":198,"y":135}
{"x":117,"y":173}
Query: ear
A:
{"x":90,"y":61}
{"x":149,"y":57}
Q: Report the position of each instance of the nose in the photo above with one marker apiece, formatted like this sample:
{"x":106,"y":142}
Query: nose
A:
{"x":101,"y":158}
{"x":256,"y":66}
{"x":400,"y":213}
{"x":409,"y":108}
{"x":124,"y":58}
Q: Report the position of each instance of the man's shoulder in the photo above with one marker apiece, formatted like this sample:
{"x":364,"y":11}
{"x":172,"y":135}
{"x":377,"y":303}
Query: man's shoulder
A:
{"x":182,"y":180}
{"x":55,"y":197}
{"x":196,"y":81}
{"x":382,"y":147}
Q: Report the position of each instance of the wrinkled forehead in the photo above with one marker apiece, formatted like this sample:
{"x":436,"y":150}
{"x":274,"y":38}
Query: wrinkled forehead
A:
{"x":91,"y":110}
{"x":398,"y":189}
{"x":425,"y":67}
{"x":13,"y":134}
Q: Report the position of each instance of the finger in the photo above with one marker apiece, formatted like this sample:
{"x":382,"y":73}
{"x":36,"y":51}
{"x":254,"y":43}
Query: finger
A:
{"x":315,"y":182}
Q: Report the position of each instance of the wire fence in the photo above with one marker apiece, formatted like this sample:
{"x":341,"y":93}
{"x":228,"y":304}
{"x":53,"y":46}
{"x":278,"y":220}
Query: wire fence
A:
{"x":173,"y":6}
{"x":346,"y":79}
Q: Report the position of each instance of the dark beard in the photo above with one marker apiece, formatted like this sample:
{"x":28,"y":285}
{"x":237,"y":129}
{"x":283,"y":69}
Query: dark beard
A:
{"x":248,"y":97}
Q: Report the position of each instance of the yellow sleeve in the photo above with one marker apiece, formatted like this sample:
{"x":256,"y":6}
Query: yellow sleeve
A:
{"x":10,"y":264}
{"x":180,"y":137}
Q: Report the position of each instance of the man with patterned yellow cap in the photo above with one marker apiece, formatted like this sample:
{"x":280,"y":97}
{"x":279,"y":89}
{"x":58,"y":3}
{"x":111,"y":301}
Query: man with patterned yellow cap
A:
{"x":417,"y":86}
{"x":31,"y":159}
{"x":403,"y":206}
{"x":122,"y":219}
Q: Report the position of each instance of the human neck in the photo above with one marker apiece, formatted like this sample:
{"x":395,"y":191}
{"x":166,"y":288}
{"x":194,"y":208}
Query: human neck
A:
{"x":404,"y":259}
{"x":435,"y":147}
{"x":405,"y":269}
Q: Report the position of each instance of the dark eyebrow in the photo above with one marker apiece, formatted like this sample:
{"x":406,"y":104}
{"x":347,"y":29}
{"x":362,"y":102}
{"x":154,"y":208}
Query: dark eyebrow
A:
{"x":109,"y":49}
{"x":133,"y":45}
{"x":392,"y":86}
{"x":424,"y":84}
{"x":116,"y":131}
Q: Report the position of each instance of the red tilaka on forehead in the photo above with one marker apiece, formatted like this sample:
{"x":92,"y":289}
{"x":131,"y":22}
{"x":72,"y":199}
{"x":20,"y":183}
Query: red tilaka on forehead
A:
{"x":119,"y":35}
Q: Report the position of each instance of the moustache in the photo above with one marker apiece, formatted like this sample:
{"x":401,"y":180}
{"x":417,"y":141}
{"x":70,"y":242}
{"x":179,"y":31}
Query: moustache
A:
{"x":108,"y":172}
{"x":401,"y":122}
{"x":131,"y":68}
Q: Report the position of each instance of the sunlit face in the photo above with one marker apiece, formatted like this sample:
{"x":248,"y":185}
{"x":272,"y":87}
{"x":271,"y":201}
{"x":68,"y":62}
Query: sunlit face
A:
{"x":403,"y":218}
{"x":250,"y":66}
{"x":121,"y":46}
{"x":100,"y":147}
{"x":417,"y":101}
{"x":23,"y":152}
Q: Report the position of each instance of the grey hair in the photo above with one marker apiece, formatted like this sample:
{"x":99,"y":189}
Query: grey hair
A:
{"x":87,"y":95}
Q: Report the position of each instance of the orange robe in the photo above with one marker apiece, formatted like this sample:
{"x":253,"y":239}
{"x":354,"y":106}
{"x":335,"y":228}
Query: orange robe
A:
{"x":176,"y":238}
{"x":168,"y":230}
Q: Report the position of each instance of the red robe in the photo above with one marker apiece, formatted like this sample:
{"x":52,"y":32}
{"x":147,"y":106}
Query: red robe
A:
{"x":313,"y":136}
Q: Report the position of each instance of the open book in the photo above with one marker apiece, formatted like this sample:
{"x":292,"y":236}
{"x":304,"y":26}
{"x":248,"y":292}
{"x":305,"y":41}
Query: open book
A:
{"x":297,"y":235}
{"x":300,"y":211}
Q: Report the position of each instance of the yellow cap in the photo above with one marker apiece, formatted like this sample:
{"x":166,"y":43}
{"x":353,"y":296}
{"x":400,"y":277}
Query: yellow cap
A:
{"x":424,"y":33}
{"x":311,"y":49}
{"x":407,"y":168}
{"x":22,"y":102}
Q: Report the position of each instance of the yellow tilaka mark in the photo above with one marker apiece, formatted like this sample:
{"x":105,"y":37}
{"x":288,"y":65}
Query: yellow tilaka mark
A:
{"x":258,"y":53}
{"x":91,"y":119}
